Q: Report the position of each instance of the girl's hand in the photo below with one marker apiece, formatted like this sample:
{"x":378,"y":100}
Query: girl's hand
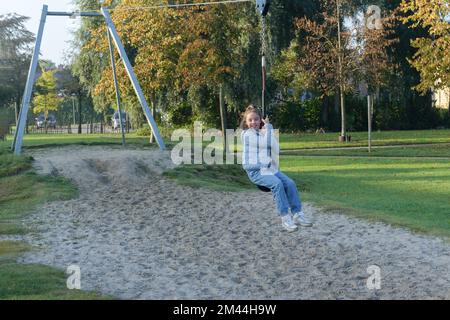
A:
{"x":265,"y":121}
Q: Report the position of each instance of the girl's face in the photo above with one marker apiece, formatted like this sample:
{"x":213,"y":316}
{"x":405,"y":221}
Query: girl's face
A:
{"x":253,"y":120}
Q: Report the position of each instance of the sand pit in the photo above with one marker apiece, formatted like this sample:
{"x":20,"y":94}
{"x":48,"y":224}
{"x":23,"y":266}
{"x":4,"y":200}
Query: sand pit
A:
{"x":136,"y":234}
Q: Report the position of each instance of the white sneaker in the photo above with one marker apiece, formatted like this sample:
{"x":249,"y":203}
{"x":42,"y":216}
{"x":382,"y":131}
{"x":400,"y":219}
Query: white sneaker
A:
{"x":300,"y":219}
{"x":288,"y":223}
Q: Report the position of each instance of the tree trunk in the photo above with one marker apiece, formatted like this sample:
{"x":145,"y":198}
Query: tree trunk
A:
{"x":45,"y":116}
{"x":324,"y":112}
{"x":79,"y":114}
{"x":342,"y":102}
{"x":340,"y":74}
{"x":223,"y":119}
{"x":448,"y":108}
{"x":91,"y":126}
{"x":153,"y":103}
{"x":16,"y":111}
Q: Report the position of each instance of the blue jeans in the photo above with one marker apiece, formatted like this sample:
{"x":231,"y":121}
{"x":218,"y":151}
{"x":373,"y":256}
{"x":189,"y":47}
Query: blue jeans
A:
{"x":283,"y":189}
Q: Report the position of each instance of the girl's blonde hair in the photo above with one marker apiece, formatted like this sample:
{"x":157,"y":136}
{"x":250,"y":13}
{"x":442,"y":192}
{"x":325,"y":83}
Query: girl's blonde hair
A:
{"x":251,"y":108}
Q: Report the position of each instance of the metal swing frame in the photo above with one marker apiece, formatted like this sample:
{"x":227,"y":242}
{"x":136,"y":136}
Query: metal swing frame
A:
{"x":261,"y":5}
{"x":16,"y":146}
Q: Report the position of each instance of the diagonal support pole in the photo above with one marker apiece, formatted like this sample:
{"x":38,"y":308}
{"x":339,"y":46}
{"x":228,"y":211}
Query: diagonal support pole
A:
{"x":18,"y":135}
{"x":133,"y":78}
{"x":116,"y":85}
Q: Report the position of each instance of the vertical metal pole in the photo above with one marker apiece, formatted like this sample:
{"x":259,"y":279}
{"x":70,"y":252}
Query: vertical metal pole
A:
{"x":73,"y":110}
{"x":223,"y":119}
{"x":116,"y":85}
{"x":263,"y":93}
{"x":263,"y":64}
{"x":18,"y":135}
{"x":369,"y":121}
{"x":132,"y":76}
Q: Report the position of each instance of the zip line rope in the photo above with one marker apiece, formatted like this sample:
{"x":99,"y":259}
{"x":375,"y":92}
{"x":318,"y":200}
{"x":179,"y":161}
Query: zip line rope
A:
{"x":180,"y":5}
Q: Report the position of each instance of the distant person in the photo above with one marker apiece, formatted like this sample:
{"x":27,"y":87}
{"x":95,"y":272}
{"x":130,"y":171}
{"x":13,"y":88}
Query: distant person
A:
{"x":259,"y":160}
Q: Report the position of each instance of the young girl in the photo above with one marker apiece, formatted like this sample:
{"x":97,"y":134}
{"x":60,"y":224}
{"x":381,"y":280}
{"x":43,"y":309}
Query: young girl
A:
{"x":259,"y":159}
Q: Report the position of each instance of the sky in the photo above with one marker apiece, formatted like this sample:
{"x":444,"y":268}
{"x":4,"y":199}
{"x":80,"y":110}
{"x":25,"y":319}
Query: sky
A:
{"x":57,"y":30}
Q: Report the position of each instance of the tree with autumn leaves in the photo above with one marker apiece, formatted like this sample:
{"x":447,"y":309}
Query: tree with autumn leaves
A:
{"x":432,"y":58}
{"x":45,"y":98}
{"x":332,"y":58}
{"x":185,"y":57}
{"x":187,"y":51}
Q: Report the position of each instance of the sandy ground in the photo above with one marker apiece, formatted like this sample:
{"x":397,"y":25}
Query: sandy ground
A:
{"x":138,"y":235}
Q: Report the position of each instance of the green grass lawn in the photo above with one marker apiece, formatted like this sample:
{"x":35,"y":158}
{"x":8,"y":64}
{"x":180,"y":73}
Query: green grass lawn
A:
{"x":414,"y":194}
{"x":442,"y":150}
{"x":12,"y":248}
{"x":37,"y":282}
{"x":21,"y":193}
{"x":41,"y":139}
{"x":383,"y":138}
{"x":287,"y":141}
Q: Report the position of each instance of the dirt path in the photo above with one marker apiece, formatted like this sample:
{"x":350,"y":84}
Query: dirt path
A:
{"x":136,"y":234}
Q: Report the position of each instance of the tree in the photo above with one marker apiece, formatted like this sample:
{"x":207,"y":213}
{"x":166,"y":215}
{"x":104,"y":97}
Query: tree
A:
{"x":281,"y":19}
{"x":15,"y":57}
{"x":70,"y":89}
{"x":209,"y":60}
{"x":177,"y":54}
{"x":45,"y":98}
{"x":399,"y":105}
{"x":153,"y":40}
{"x":151,"y":50}
{"x":332,"y":58}
{"x":87,"y":63}
{"x":432,"y":58}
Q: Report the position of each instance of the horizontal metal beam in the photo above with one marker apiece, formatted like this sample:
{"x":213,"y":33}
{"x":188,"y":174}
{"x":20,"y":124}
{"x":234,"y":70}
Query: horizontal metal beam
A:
{"x":75,"y":13}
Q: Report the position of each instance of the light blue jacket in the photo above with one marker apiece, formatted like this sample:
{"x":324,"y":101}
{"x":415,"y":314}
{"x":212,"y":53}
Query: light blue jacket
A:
{"x":260,"y":150}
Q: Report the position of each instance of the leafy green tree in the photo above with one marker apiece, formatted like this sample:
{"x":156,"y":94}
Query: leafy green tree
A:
{"x":72,"y":95}
{"x":432,"y":58}
{"x":331,"y":58}
{"x":89,"y":60}
{"x":177,"y":54}
{"x":45,"y":98}
{"x":15,"y":56}
{"x":400,"y":106}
